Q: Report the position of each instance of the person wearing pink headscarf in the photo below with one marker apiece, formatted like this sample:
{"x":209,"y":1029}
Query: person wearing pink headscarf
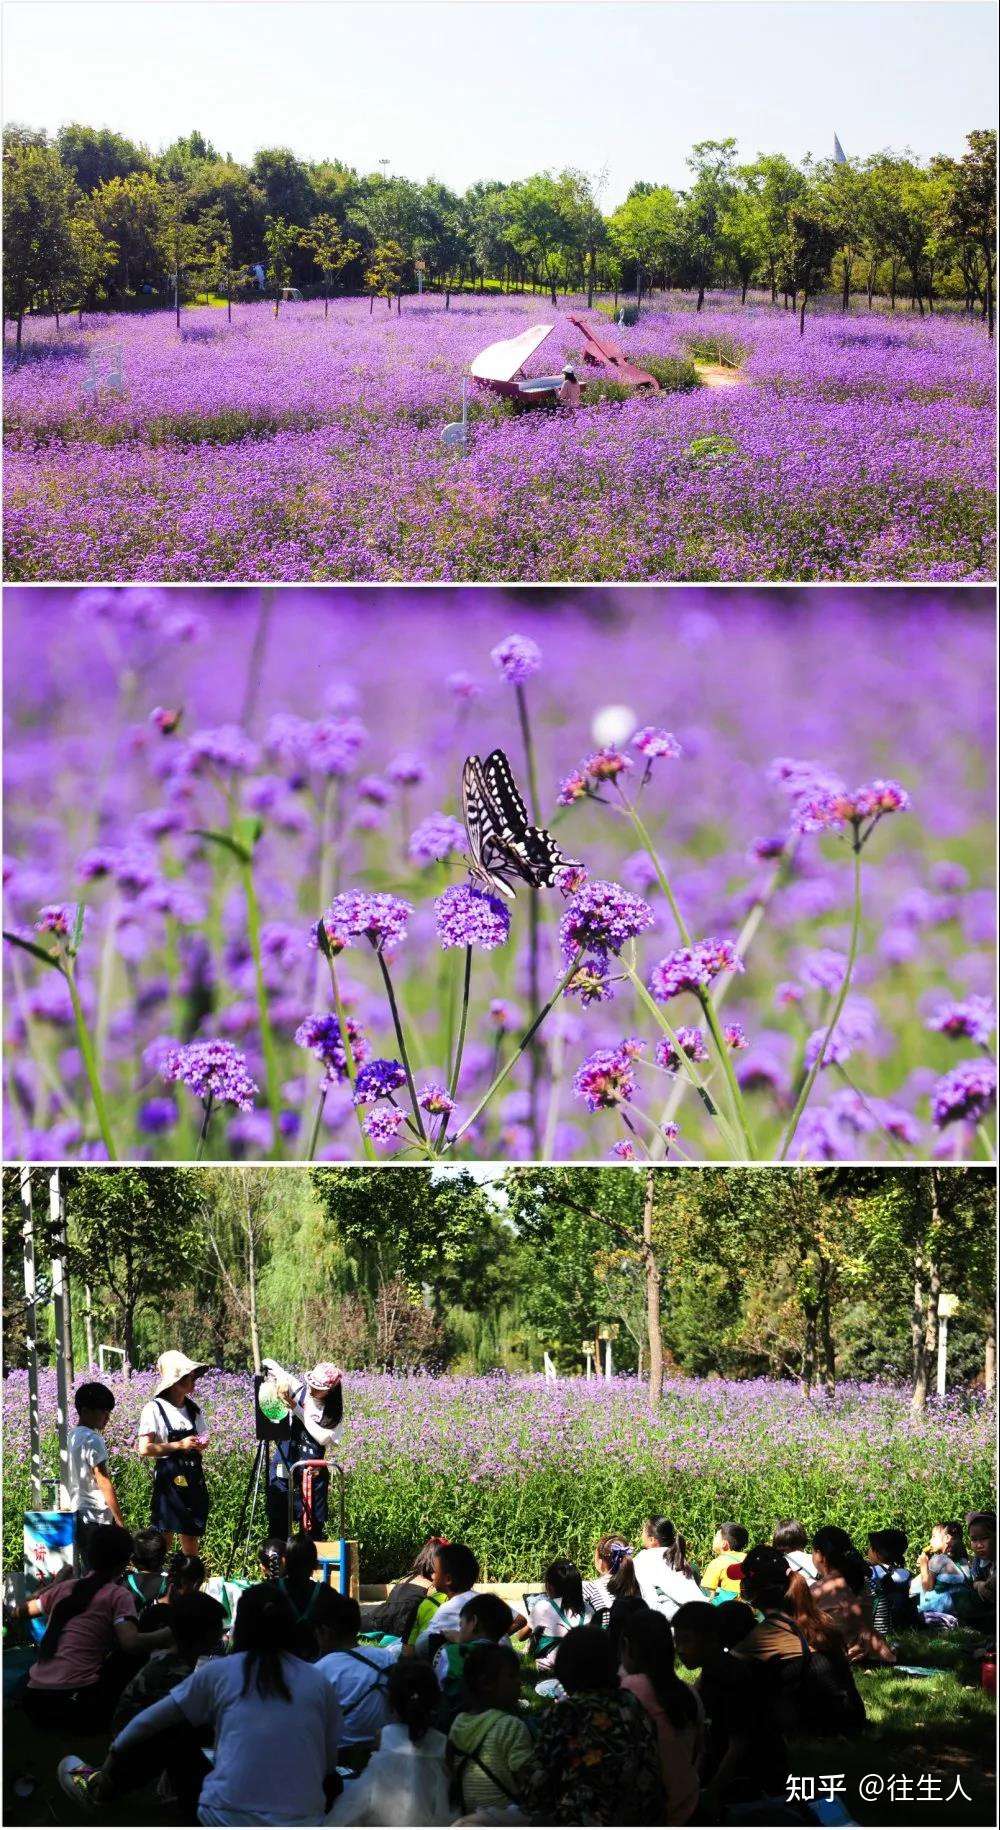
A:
{"x":315,"y":1412}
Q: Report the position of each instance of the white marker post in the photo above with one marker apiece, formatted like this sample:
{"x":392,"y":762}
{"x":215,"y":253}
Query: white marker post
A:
{"x":947,"y":1307}
{"x":457,"y":433}
{"x":60,"y":1306}
{"x":31,"y":1336}
{"x":420,"y":267}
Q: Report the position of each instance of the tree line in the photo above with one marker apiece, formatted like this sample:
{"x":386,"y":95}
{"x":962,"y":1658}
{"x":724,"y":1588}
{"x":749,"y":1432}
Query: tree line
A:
{"x":91,"y":219}
{"x":805,"y":1274}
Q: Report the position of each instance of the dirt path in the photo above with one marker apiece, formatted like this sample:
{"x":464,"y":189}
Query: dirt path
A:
{"x":717,"y":375}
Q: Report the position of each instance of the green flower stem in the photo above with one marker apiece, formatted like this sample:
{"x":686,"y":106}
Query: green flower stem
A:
{"x":317,"y":1121}
{"x":627,"y":1122}
{"x":743,"y":942}
{"x":352,"y":1066}
{"x":401,"y":1045}
{"x":984,"y":1143}
{"x":687,"y":1065}
{"x":525,"y":1042}
{"x":203,"y":1133}
{"x":460,"y":1049}
{"x":894,"y":1142}
{"x":90,"y":1064}
{"x":852,"y":954}
{"x":534,"y":916}
{"x":725,"y":1056}
{"x":661,"y":875}
{"x":264,"y":1015}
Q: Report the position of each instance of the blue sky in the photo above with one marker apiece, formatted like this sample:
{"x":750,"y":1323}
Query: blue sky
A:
{"x":498,"y":89}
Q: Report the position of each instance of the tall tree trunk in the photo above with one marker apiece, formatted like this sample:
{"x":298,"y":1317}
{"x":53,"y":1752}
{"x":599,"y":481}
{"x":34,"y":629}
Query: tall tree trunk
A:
{"x":88,"y":1322}
{"x":802,"y":314}
{"x":653,"y":1325}
{"x":918,"y":1400}
{"x":809,"y":1350}
{"x":826,"y":1343}
{"x":701,"y":298}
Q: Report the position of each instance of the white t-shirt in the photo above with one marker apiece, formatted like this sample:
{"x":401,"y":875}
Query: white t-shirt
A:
{"x":87,"y":1451}
{"x":359,"y":1689}
{"x":151,"y":1420}
{"x":404,"y":1783}
{"x":271,"y":1757}
{"x":801,"y":1562}
{"x":663,"y":1588}
{"x":447,"y":1620}
{"x":555,"y":1622}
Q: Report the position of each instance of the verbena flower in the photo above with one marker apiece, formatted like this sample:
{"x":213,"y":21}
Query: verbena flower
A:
{"x":384,"y":1124}
{"x":57,"y":918}
{"x":322,"y":1036}
{"x":671,"y":1132}
{"x":517,"y":657}
{"x":470,"y":917}
{"x":734,"y":1036}
{"x":463,"y":687}
{"x":406,"y":770}
{"x":573,"y":787}
{"x":437,"y":837}
{"x":436,"y":1100}
{"x":606,"y":765}
{"x":502,"y":1014}
{"x":377,"y":1080}
{"x":624,"y":1150}
{"x":156,"y":1116}
{"x":655,"y":744}
{"x":213,"y":1070}
{"x":692,"y":968}
{"x":601,"y":917}
{"x":835,"y":809}
{"x":693,"y":1047}
{"x":967,"y":1092}
{"x":607,"y":1077}
{"x":370,"y":914}
{"x":226,"y":748}
{"x":973,"y":1016}
{"x":591,"y":983}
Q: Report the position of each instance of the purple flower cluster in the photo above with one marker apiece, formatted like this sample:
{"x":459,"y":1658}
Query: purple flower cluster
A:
{"x":693,"y":968}
{"x":438,"y":837}
{"x":470,"y":917}
{"x":378,"y":1079}
{"x":602,"y":916}
{"x":214,"y":1071}
{"x":967,"y":1094}
{"x":974,"y":1017}
{"x":607,"y":1077}
{"x":692,"y":1044}
{"x":322,"y":1036}
{"x":517,"y":657}
{"x":370,"y":914}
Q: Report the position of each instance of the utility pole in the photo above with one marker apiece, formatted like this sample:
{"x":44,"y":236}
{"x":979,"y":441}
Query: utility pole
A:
{"x":60,"y":1309}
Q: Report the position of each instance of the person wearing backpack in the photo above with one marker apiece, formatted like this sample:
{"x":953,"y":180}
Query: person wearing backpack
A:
{"x":842,"y":1591}
{"x":357,"y":1674}
{"x":802,"y":1656}
{"x":485,"y":1620}
{"x":489,"y":1743}
{"x":397,"y":1615}
{"x":405,"y":1781}
{"x":147,"y":1579}
{"x":893,"y":1607}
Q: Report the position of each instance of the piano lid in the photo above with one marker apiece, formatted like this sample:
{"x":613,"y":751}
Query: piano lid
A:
{"x":502,"y":361}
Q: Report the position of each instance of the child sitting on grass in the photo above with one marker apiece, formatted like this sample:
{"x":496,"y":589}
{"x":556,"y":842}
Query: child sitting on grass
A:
{"x":982,"y":1530}
{"x":455,"y":1574}
{"x":647,"y":1670}
{"x":405,"y":1781}
{"x":945,"y":1593}
{"x":665,"y":1576}
{"x":398,"y":1616}
{"x":148,"y":1579}
{"x":615,"y":1572}
{"x":484,"y":1620}
{"x":792,"y":1539}
{"x":562,"y":1607}
{"x":596,"y":1759}
{"x":489,"y":1744}
{"x":746,"y":1758}
{"x":197,"y":1622}
{"x":889,"y":1579}
{"x":729,"y":1547}
{"x":358,"y":1674}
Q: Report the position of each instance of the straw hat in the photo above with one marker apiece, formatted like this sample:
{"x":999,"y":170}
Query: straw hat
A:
{"x":172,"y":1366}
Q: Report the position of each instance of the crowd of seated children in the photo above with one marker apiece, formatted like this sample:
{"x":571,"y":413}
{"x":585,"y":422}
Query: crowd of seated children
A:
{"x":312,"y":1722}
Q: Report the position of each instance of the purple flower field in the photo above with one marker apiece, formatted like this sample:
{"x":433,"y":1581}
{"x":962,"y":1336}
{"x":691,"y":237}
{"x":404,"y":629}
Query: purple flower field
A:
{"x":771,"y":934}
{"x":300,"y":448}
{"x":523,"y":1469}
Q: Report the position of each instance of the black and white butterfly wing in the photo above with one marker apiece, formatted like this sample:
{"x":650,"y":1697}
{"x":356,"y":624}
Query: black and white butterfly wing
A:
{"x":485,"y":850}
{"x":509,"y":845}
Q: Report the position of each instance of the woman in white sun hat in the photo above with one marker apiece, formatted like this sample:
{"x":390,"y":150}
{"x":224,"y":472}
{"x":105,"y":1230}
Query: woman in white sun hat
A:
{"x":172,"y":1434}
{"x":315,"y":1410}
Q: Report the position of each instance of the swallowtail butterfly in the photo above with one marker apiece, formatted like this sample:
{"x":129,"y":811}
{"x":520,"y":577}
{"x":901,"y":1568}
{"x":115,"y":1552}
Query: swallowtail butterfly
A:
{"x":502,"y":845}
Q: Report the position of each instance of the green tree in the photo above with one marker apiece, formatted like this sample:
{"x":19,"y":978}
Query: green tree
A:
{"x":384,"y":275}
{"x":95,"y":155}
{"x":136,"y":1232}
{"x":713,"y":164}
{"x":39,"y":199}
{"x":94,"y":257}
{"x":331,"y":253}
{"x":133,"y":213}
{"x":281,"y":239}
